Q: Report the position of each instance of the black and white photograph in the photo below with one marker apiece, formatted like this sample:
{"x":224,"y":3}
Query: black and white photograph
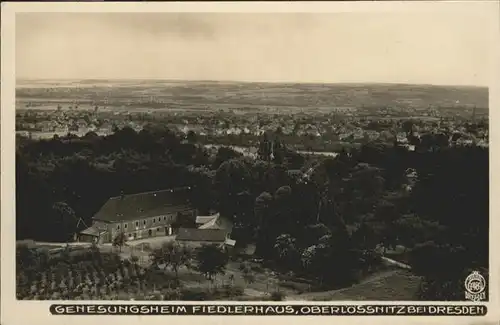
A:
{"x":253,"y":156}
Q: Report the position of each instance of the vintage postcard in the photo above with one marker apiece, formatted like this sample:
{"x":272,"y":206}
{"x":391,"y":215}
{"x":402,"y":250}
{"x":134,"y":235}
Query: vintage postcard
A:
{"x":251,"y":159}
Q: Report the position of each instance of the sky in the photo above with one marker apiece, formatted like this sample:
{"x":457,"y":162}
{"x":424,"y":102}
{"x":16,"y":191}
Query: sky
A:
{"x":449,"y":47}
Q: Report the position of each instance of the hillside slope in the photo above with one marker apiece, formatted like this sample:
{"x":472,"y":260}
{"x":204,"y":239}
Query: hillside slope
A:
{"x":250,"y":96}
{"x":386,"y":286}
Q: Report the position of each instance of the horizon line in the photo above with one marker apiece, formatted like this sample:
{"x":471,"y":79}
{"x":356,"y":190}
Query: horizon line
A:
{"x":256,"y":81}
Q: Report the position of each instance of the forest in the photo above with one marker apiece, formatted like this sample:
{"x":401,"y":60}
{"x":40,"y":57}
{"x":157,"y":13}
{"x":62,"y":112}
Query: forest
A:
{"x":317,"y":217}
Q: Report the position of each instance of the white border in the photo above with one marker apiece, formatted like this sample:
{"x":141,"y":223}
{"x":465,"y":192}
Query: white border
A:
{"x":27,"y":312}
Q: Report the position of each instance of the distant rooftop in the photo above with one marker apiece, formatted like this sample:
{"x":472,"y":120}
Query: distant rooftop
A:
{"x":92,"y":231}
{"x":144,"y":205}
{"x":218,"y":222}
{"x":205,"y":219}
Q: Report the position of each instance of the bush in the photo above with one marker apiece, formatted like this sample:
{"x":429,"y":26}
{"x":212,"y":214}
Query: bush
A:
{"x":155,"y":296}
{"x":230,"y":291}
{"x":242,"y":266}
{"x":318,"y":299}
{"x":227,"y":291}
{"x":277,"y":296}
{"x":257,"y":268}
{"x":195,"y":294}
{"x":299,"y":287}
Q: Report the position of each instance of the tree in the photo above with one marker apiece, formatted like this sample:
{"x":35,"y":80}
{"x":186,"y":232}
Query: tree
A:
{"x":173,"y":256}
{"x":265,"y":148}
{"x":284,"y":208}
{"x":447,"y":289}
{"x":120,"y":240}
{"x":286,"y":251}
{"x":191,"y":136}
{"x":66,"y":217}
{"x":276,"y":176}
{"x":224,"y":154}
{"x":314,"y":260}
{"x":28,"y":258}
{"x":386,"y":212}
{"x":366,"y":236}
{"x":247,"y":274}
{"x":283,"y":193}
{"x":231,"y":178}
{"x":211,"y":260}
{"x":244,"y":212}
{"x":408,"y":126}
{"x":263,"y":204}
{"x":312,"y":233}
{"x":444,"y":268}
{"x":373,"y":152}
{"x":95,"y":252}
{"x":265,"y":233}
{"x":277,"y":296}
{"x":413,"y":230}
{"x":202,"y":193}
{"x":361,"y":190}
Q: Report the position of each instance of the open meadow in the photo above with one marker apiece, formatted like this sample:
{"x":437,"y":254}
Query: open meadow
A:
{"x":151,"y":95}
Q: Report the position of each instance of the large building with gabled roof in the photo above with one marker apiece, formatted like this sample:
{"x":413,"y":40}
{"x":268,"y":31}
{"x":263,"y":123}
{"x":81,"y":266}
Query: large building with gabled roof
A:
{"x":141,"y":215}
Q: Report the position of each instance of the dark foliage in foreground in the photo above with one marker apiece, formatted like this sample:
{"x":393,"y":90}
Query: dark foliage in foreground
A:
{"x":318,"y":217}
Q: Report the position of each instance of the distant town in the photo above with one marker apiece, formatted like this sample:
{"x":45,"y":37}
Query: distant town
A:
{"x":253,"y":156}
{"x":213,"y":191}
{"x":306,"y":131}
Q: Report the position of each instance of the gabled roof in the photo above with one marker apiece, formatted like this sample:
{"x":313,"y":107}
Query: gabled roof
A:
{"x":218,"y":222}
{"x":230,"y":242}
{"x":207,"y":235}
{"x":144,"y":205}
{"x":211,"y":224}
{"x":92,"y":231}
{"x":205,"y":219}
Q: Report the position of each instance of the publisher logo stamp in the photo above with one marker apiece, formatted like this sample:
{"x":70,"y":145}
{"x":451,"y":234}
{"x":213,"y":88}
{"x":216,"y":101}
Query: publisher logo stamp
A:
{"x":475,"y":285}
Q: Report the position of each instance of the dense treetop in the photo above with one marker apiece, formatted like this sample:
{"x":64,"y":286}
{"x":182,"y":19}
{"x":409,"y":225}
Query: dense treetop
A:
{"x":317,"y":216}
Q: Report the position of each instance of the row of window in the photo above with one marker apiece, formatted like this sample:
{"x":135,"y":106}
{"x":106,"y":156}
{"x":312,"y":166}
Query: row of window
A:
{"x":135,"y":234}
{"x":143,"y":222}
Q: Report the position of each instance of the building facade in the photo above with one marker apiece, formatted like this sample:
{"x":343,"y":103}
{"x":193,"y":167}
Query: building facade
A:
{"x":213,"y":229}
{"x":196,"y":237}
{"x":140,"y":216}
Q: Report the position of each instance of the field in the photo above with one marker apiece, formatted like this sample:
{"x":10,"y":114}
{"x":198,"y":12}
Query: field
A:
{"x":128,"y":273}
{"x":107,"y":273}
{"x":137,"y":95}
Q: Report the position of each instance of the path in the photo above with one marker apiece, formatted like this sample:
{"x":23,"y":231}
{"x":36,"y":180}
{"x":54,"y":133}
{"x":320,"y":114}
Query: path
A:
{"x":396,"y":263}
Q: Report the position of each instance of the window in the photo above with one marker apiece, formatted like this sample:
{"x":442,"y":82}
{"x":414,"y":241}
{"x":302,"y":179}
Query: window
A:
{"x":158,"y":229}
{"x":144,"y":222}
{"x":118,"y":227}
{"x":137,"y":223}
{"x":125,"y":226}
{"x":165,"y":218}
{"x":154,"y":220}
